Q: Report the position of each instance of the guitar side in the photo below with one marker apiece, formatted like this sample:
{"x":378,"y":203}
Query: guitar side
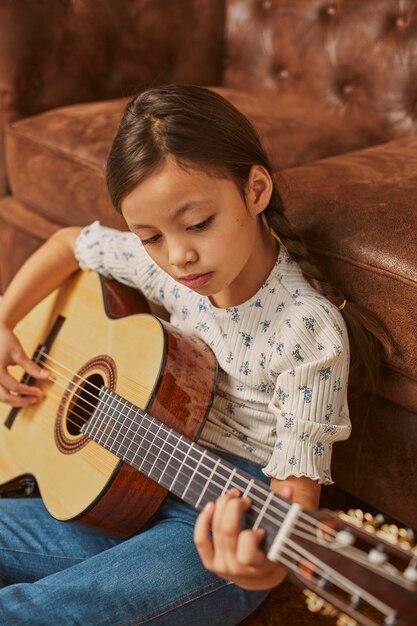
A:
{"x":145,"y":360}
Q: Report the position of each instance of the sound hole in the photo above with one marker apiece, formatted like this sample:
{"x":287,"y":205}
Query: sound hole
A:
{"x":84,"y":403}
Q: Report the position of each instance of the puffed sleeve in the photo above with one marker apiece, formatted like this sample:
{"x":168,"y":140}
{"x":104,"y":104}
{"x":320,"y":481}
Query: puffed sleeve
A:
{"x":119,"y":255}
{"x":311,"y":366}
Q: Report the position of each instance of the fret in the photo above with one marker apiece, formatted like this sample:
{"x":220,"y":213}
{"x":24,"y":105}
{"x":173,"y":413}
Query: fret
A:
{"x":123,"y":428}
{"x":171,"y":459}
{"x":106,"y":424}
{"x":163,"y":457}
{"x":263,"y":510}
{"x":288,"y":522}
{"x":91,"y":427}
{"x":141,"y":446}
{"x":192,"y":468}
{"x":112,"y":423}
{"x":129,"y":452}
{"x":181,"y":466}
{"x":197,"y":504}
{"x":112,"y":419}
{"x":127,"y":447}
{"x":240,"y":482}
{"x":193,"y":474}
{"x":229,"y":481}
{"x":206,"y":466}
{"x":191,"y":479}
{"x":152,"y":430}
{"x":248,"y":488}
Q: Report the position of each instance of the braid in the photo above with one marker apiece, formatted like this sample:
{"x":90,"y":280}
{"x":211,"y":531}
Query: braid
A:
{"x":369,"y":340}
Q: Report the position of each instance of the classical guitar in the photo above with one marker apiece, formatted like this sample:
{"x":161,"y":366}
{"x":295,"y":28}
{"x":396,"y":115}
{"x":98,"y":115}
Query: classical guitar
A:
{"x":127,"y":396}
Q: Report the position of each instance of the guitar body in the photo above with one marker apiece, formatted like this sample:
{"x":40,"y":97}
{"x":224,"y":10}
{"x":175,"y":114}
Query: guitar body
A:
{"x":96,"y":339}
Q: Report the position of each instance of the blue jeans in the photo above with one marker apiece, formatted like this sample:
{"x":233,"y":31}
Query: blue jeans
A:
{"x":55,"y":573}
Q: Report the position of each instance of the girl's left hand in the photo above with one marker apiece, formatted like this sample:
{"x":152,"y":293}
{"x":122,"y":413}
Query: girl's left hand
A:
{"x":230,"y":552}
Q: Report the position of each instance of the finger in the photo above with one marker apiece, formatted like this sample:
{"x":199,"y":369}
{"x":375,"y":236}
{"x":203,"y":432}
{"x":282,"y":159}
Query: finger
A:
{"x":15,"y":400}
{"x":32,"y":368}
{"x":202,"y":538}
{"x":286,"y":492}
{"x":221,"y":506}
{"x":248,"y":550}
{"x":225,"y":538}
{"x":13,"y":385}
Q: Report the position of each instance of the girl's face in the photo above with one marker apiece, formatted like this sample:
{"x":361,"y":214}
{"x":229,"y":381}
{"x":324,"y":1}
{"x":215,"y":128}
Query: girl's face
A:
{"x":201,"y":231}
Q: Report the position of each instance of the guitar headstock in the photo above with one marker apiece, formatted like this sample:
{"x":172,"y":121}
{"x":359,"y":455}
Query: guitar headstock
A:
{"x":356,"y":568}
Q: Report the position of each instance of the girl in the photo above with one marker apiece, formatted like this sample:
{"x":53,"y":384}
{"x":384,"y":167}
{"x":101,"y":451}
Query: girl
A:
{"x":210,"y":242}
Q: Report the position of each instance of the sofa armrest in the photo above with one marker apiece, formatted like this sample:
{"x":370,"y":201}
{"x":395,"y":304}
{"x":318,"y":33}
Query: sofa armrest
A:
{"x":56,"y":53}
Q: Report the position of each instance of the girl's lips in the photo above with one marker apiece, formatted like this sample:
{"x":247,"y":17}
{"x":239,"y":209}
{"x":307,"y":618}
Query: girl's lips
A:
{"x":196,"y":280}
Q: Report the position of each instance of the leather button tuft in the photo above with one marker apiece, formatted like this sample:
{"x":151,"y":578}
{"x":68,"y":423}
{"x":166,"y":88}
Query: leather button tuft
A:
{"x":348,"y":89}
{"x":330,"y":10}
{"x":283,"y":73}
{"x":402,"y":21}
{"x":267,"y":5}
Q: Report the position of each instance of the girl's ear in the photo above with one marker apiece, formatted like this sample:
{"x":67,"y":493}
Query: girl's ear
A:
{"x":258,"y":189}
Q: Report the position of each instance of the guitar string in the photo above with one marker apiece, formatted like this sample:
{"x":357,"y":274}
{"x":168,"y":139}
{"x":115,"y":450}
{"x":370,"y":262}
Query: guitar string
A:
{"x":307,"y":517}
{"x":311,"y":520}
{"x":324,"y":528}
{"x":202,"y":465}
{"x":321,"y":567}
{"x":93,"y":406}
{"x":361,"y":557}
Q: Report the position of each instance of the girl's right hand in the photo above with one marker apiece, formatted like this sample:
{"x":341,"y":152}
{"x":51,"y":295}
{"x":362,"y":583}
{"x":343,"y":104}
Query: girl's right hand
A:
{"x":13,"y":392}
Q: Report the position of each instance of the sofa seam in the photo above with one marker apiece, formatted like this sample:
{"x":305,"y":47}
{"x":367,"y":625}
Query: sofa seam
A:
{"x":365,"y":266}
{"x":55,"y":150}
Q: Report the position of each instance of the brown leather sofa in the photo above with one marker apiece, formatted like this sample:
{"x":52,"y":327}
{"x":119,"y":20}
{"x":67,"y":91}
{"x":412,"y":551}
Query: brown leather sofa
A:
{"x":332,"y":87}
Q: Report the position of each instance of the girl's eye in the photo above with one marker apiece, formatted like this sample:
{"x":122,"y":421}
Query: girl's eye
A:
{"x":202,"y":225}
{"x":154,"y":239}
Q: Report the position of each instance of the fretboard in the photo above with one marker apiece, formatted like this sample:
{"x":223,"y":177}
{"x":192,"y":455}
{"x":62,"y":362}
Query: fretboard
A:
{"x":186,"y":469}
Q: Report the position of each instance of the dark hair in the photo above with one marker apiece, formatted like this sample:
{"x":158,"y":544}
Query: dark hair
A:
{"x":200,"y":128}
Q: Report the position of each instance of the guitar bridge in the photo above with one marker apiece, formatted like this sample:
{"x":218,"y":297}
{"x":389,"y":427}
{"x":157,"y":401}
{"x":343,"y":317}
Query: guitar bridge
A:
{"x":38,"y":357}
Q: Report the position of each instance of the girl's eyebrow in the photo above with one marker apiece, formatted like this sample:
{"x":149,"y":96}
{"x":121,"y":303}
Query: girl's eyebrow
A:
{"x":193,"y":204}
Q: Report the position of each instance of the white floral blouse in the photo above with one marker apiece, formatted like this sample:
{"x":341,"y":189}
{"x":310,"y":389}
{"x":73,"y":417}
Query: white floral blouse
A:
{"x":283,"y":357}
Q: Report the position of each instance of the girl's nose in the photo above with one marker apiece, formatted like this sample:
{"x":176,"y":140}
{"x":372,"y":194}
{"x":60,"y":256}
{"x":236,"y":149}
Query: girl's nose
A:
{"x":180,"y":255}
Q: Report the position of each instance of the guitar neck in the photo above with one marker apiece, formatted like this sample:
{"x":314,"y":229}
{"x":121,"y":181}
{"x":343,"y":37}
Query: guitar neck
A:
{"x":184,"y":468}
{"x":197,"y":476}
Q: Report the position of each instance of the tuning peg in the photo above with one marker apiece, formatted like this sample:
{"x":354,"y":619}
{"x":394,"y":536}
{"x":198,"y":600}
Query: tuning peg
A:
{"x":344,"y":538}
{"x":323,"y":582}
{"x":355,"y":601}
{"x":377,"y":555}
{"x":391,"y":620}
{"x":410,"y":572}
{"x":380,"y":519}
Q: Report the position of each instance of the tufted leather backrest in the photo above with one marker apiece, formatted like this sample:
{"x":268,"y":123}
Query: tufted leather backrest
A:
{"x":55,"y":52}
{"x":58,"y":52}
{"x":358,"y":57}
